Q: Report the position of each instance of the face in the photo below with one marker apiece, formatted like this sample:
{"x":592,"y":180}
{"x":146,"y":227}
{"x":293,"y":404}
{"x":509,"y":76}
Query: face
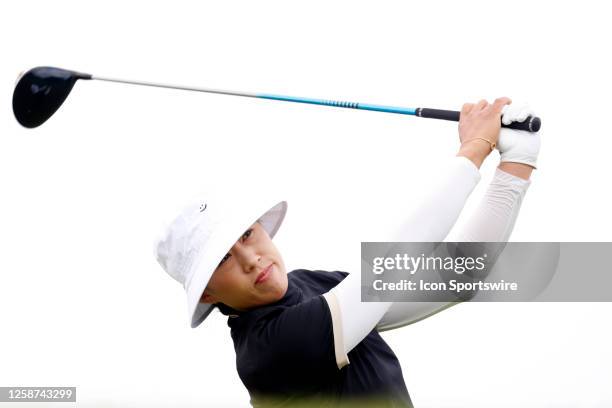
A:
{"x":251,"y":274}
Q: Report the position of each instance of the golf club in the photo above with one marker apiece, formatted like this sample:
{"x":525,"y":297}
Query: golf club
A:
{"x":40,"y":92}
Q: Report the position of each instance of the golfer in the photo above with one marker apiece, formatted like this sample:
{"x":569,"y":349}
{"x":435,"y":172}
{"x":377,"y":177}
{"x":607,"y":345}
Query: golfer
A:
{"x":304,"y":338}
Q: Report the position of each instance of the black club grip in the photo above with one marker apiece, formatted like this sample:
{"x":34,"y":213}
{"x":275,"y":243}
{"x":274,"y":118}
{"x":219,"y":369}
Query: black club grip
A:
{"x":531,"y":124}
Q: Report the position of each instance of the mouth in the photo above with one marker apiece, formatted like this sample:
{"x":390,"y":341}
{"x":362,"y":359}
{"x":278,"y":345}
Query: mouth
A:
{"x":263,"y":275}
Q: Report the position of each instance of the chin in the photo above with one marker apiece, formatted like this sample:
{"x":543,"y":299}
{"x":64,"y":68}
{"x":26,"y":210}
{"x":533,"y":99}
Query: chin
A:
{"x":280,"y":288}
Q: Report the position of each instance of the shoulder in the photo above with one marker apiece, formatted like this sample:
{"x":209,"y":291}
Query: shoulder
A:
{"x":316,"y":278}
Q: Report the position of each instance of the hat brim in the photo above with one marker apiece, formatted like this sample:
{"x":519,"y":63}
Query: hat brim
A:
{"x":220,"y":244}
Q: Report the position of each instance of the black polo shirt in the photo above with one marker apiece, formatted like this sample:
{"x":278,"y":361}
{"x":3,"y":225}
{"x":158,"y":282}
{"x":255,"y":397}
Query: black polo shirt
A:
{"x":285,"y":352}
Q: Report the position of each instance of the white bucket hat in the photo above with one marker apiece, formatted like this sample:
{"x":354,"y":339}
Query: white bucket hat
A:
{"x":194,"y":243}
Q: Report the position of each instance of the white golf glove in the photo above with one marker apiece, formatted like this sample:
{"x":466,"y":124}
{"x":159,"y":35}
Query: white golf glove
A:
{"x":518,"y":146}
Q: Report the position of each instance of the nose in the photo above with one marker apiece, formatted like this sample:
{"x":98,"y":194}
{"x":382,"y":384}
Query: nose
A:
{"x":248,"y":257}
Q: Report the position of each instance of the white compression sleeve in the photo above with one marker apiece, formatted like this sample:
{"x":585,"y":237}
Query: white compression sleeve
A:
{"x":353,"y":319}
{"x":492,"y":221}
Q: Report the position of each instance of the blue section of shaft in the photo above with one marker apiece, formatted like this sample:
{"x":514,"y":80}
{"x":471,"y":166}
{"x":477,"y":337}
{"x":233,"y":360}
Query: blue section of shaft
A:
{"x":340,"y":104}
{"x":390,"y":109}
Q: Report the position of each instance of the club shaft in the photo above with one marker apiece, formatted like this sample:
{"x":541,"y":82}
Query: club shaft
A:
{"x":531,"y":124}
{"x":313,"y":101}
{"x":179,"y":87}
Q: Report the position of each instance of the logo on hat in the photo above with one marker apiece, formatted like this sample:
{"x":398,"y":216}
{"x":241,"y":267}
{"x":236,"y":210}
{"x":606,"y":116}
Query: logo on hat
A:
{"x":203,"y":207}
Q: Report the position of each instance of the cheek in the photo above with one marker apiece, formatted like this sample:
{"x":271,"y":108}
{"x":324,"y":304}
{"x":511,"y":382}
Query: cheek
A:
{"x":221,"y":282}
{"x":274,"y":253}
{"x":227,"y":282}
{"x":280,"y":275}
{"x":233,"y":287}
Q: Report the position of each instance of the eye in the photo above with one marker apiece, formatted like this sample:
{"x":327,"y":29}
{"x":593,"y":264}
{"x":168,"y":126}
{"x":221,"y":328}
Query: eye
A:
{"x":224,"y":259}
{"x":247,"y":234}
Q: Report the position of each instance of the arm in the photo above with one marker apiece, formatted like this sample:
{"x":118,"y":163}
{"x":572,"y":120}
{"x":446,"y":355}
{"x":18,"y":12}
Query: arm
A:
{"x":494,"y":218}
{"x":352,"y":319}
{"x":479,"y":128}
{"x":492,"y":221}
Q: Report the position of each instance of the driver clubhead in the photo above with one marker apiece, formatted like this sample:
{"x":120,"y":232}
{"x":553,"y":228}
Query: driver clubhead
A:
{"x":40,"y":92}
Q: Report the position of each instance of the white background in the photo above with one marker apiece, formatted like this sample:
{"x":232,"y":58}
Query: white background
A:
{"x":82,"y":300}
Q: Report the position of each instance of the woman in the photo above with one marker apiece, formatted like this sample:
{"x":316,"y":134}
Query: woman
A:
{"x":305,"y":337}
